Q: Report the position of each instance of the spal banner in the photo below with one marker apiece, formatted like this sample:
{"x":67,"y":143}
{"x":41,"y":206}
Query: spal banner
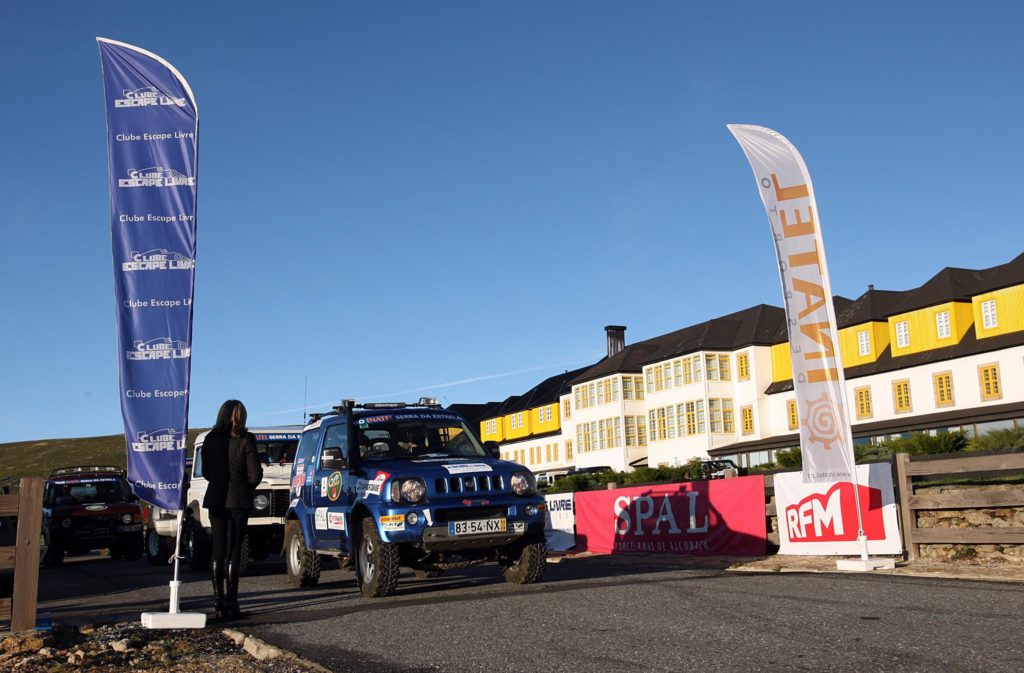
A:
{"x":152,"y":135}
{"x":826,"y":441}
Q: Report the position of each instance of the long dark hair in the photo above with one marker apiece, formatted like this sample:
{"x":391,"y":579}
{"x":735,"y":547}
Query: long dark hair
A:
{"x":230,"y":419}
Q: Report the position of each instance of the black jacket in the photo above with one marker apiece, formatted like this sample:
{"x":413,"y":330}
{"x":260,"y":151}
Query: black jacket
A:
{"x":232,"y":472}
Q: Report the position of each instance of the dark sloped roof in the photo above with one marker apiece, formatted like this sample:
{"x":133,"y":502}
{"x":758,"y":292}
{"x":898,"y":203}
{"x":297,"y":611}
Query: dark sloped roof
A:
{"x":546,"y":392}
{"x":969,"y":345}
{"x":473,"y":413}
{"x":873,"y":305}
{"x":758,"y":325}
{"x":1005,"y":275}
{"x":950,"y":284}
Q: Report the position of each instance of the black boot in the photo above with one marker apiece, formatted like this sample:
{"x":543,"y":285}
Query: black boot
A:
{"x":217,"y":573}
{"x":231,"y":598}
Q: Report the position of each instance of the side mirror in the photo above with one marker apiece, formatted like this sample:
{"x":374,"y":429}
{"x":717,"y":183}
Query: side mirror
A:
{"x":332,"y":459}
{"x":493,"y":448}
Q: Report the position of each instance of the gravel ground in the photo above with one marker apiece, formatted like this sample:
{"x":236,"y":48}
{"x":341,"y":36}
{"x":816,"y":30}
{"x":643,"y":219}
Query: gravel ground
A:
{"x":129,"y":647}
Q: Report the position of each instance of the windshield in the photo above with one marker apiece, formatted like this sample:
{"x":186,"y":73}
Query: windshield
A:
{"x":105,"y":490}
{"x":276,"y":453}
{"x":426,"y":435}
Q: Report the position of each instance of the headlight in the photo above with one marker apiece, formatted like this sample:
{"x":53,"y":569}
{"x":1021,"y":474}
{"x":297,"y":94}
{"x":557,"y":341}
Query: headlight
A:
{"x":261,"y":502}
{"x":66,"y":523}
{"x":126,"y":518}
{"x":408,"y":490}
{"x":523,"y":483}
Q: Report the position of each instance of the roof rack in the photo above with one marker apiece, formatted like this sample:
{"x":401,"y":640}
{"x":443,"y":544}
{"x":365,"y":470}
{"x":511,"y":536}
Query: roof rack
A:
{"x":351,"y":404}
{"x":85,"y":469}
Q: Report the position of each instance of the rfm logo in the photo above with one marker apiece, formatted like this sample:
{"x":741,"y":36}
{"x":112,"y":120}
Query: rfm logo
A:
{"x":640,"y":508}
{"x":145,"y":97}
{"x":832,"y":516}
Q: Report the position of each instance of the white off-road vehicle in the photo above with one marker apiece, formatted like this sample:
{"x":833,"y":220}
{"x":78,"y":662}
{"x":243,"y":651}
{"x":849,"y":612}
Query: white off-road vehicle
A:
{"x":265,"y":532}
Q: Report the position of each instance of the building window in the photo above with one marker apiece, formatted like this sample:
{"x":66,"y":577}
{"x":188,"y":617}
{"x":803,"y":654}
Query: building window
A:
{"x":943,"y":383}
{"x":902,"y":334}
{"x":728,"y":420}
{"x":540,"y":414}
{"x":942,"y":327}
{"x":568,"y":449}
{"x":717,"y":367}
{"x":988,"y":376}
{"x":901,"y":396}
{"x":627,"y":387}
{"x":747,"y":419}
{"x":637,"y":381}
{"x":989,"y":318}
{"x":863,"y":396}
{"x":566,"y":409}
{"x":743,"y":366}
{"x":792,"y":415}
{"x":864,"y":343}
{"x":631,"y":431}
{"x":715,"y":414}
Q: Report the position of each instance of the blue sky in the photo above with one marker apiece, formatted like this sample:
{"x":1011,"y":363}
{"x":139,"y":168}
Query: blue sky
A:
{"x":453,"y":198}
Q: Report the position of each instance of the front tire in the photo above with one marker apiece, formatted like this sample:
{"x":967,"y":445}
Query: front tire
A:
{"x":303,"y":564}
{"x":526,"y":563}
{"x":130,"y":546}
{"x":197,"y":548}
{"x":158,"y":552}
{"x":54,"y":557}
{"x":377,"y":563}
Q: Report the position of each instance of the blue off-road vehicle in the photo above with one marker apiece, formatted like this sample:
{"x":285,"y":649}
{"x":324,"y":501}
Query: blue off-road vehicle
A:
{"x":379,"y":486}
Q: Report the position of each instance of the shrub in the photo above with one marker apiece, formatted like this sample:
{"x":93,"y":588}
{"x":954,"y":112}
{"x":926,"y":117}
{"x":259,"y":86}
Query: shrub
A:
{"x":1007,"y":438}
{"x":690,"y":471}
{"x":789,"y":459}
{"x":921,"y":443}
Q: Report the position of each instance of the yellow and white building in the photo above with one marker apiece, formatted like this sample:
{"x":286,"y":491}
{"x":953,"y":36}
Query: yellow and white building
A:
{"x":946,"y":355}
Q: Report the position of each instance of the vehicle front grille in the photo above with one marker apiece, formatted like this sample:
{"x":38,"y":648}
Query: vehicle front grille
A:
{"x":469,"y":513}
{"x":483,"y":483}
{"x":279,"y":502}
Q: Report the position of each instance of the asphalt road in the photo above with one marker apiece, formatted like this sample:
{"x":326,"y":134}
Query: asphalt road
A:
{"x":595,"y":614}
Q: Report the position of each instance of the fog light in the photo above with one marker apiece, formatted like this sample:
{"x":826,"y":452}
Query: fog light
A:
{"x":66,"y":523}
{"x":261,"y":501}
{"x":126,"y":518}
{"x":531,"y":510}
{"x":412,"y":518}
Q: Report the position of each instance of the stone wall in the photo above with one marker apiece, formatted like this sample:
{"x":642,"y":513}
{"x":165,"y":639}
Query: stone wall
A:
{"x":999,"y":517}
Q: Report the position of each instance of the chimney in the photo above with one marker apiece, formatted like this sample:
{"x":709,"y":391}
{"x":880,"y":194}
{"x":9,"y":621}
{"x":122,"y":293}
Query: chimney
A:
{"x":616,"y":338}
{"x":871,"y":288}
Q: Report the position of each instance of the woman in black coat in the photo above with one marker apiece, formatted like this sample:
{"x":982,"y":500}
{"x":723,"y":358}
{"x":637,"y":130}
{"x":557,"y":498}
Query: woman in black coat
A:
{"x":232,"y":471}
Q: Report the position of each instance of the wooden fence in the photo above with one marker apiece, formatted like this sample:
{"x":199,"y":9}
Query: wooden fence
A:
{"x":23,"y":557}
{"x":925,"y":466}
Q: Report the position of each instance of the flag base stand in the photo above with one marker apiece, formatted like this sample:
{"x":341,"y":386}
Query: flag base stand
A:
{"x":173,"y":619}
{"x":865,"y":565}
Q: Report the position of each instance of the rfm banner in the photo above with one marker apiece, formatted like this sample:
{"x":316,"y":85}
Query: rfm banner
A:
{"x":826,"y":442}
{"x":821,"y":519}
{"x":559,"y":522}
{"x":722,"y":516}
{"x":152,"y":131}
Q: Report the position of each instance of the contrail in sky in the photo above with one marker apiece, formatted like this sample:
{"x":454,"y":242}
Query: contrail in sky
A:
{"x":448,"y":384}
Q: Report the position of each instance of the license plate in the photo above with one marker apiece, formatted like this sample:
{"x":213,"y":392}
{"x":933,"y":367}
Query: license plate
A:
{"x":476,"y":527}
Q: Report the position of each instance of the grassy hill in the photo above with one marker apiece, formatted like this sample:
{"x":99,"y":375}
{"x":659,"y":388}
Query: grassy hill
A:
{"x":38,"y":458}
